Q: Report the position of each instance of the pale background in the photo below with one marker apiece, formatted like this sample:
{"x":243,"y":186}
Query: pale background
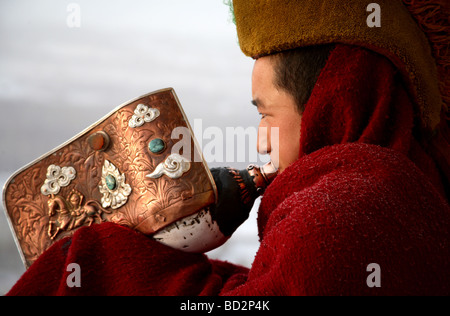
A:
{"x":55,"y":81}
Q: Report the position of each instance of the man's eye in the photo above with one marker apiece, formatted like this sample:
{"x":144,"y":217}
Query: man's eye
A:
{"x":262,"y":115}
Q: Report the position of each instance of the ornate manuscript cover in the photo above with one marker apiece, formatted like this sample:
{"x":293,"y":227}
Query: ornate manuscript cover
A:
{"x":122,"y":169}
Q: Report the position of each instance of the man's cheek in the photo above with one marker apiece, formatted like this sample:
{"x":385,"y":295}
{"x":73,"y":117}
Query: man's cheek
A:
{"x":276,"y":147}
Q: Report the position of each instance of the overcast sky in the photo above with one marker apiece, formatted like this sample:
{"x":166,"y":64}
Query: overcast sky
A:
{"x":56,"y":80}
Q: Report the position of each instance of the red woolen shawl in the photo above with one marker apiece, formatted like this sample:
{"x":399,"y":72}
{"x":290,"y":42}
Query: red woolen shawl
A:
{"x":360,"y":97}
{"x":363,"y":191}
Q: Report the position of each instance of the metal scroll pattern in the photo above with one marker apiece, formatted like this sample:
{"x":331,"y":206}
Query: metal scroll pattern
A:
{"x":41,"y":219}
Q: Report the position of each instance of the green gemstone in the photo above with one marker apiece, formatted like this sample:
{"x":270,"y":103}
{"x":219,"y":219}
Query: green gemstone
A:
{"x":157,"y":146}
{"x":111,"y":182}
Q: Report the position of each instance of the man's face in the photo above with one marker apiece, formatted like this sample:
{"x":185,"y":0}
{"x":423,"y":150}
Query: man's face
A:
{"x":278,"y":112}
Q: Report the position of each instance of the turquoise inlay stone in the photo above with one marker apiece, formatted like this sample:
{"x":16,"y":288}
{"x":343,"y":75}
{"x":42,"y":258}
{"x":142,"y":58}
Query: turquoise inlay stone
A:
{"x":111,"y":182}
{"x":157,"y":146}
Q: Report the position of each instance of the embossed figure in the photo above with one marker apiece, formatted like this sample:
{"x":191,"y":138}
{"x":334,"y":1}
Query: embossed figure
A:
{"x":71,"y":213}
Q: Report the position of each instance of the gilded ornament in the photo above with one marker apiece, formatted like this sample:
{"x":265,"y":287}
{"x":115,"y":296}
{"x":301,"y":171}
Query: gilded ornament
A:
{"x":57,"y":177}
{"x":71,"y":213}
{"x":143,"y":114}
{"x":174,"y":167}
{"x":113,"y":187}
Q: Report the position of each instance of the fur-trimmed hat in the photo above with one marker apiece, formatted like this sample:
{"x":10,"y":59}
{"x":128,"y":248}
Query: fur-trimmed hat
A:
{"x":412,"y":34}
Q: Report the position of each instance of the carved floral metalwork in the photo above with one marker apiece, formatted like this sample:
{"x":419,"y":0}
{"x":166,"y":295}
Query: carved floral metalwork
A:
{"x":39,"y":220}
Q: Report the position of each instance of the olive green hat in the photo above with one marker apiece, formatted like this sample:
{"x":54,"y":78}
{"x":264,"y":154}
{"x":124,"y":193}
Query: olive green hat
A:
{"x":412,"y":34}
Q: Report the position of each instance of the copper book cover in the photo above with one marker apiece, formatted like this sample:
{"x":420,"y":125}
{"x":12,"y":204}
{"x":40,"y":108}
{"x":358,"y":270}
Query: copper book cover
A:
{"x":127,"y":168}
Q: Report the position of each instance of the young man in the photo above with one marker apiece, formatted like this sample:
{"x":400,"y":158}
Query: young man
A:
{"x":360,"y":205}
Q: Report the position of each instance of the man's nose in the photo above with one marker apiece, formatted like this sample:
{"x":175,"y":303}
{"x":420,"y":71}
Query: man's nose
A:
{"x":263,"y":146}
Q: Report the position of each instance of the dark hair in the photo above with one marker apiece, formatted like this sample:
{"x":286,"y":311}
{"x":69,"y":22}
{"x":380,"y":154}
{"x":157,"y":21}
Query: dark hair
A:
{"x":297,"y":71}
